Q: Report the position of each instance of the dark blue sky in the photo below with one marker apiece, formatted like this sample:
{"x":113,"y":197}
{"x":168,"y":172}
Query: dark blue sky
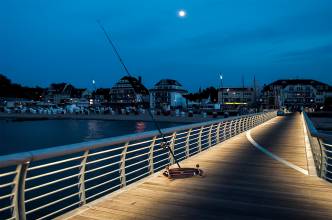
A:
{"x":44,"y":41}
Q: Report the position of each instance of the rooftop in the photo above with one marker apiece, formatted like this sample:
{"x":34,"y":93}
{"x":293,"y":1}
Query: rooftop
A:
{"x":285,"y":82}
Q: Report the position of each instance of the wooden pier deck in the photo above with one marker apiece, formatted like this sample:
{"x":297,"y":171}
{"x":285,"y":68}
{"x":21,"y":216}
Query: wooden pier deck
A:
{"x":241,"y":182}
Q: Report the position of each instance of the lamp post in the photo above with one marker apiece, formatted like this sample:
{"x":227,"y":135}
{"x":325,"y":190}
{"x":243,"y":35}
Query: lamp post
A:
{"x":94,"y":85}
{"x":221,"y":89}
{"x":94,"y":90}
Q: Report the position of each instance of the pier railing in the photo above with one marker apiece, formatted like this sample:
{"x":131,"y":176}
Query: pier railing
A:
{"x":321,"y":146}
{"x":46,"y":183}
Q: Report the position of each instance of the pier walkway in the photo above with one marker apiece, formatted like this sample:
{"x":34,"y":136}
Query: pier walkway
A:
{"x":260,"y":174}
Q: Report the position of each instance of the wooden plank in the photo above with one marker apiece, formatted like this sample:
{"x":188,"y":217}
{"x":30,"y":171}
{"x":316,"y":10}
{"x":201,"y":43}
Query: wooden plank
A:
{"x":240,"y":183}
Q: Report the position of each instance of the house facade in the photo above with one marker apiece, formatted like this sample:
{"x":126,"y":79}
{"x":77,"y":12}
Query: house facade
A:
{"x":295,"y":93}
{"x":129,"y":91}
{"x":167,"y":94}
{"x":236,"y":96}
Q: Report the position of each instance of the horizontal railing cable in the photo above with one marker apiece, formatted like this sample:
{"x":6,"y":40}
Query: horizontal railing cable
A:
{"x":56,"y":180}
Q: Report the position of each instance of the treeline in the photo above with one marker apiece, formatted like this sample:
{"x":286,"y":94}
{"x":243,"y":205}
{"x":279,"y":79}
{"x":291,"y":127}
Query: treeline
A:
{"x":8,"y":89}
{"x":14,"y":90}
{"x":209,"y":92}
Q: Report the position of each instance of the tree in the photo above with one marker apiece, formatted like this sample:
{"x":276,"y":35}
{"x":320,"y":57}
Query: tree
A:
{"x":4,"y":80}
{"x":328,"y":103}
{"x":13,"y":90}
{"x":204,"y":94}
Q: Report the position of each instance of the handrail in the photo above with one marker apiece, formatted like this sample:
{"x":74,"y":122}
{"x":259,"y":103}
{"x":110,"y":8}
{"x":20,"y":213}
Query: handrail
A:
{"x":102,"y":166}
{"x":313,"y":130}
{"x":322,"y":151}
{"x":42,"y":154}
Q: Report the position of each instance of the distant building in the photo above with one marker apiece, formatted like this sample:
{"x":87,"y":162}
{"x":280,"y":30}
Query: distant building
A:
{"x":236,"y":96}
{"x":129,"y":91}
{"x":63,"y":93}
{"x":58,"y":93}
{"x":295,"y":93}
{"x":86,"y":94}
{"x":167,"y":94}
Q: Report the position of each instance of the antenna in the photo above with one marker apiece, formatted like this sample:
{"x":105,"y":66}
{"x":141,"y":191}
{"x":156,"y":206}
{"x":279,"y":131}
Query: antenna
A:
{"x":165,"y":143}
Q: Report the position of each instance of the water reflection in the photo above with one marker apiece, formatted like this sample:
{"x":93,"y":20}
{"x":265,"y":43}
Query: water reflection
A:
{"x":31,"y":135}
{"x":95,"y":130}
{"x":140,"y":126}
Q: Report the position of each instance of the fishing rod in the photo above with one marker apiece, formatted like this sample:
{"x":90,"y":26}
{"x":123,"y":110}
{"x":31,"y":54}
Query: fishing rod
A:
{"x":165,"y":143}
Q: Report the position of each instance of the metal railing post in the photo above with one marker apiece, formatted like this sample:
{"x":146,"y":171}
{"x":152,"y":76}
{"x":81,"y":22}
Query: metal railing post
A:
{"x":151,"y":149}
{"x":230,"y":129}
{"x":240,"y":126}
{"x":225,"y":129}
{"x":172,"y":144}
{"x":200,"y":139}
{"x":113,"y":160}
{"x":245,"y":124}
{"x":322,"y":164}
{"x":187,"y":143}
{"x":123,"y":165}
{"x":224,"y":133}
{"x":254,"y":121}
{"x":18,"y":200}
{"x":81,"y":184}
{"x":237,"y":127}
{"x":15,"y":192}
{"x":210,"y":135}
{"x":218,"y":133}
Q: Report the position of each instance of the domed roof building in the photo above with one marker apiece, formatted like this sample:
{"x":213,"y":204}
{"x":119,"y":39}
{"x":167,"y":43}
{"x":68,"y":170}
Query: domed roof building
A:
{"x":167,"y":94}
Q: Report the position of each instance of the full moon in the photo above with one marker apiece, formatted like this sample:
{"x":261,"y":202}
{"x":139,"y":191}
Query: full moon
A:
{"x":182,"y":13}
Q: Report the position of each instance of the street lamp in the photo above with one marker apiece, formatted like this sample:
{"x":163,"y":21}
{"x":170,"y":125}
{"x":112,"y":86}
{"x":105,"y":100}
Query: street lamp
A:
{"x":221,"y":88}
{"x":94,"y":84}
{"x":95,"y":90}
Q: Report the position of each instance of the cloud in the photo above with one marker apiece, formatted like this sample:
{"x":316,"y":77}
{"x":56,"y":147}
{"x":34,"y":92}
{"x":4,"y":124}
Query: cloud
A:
{"x":287,"y":28}
{"x":320,"y":52}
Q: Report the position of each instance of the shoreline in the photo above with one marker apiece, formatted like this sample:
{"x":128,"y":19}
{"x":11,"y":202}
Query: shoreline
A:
{"x":140,"y":117}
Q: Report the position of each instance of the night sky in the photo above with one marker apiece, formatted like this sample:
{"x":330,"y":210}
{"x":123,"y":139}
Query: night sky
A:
{"x":49,"y":41}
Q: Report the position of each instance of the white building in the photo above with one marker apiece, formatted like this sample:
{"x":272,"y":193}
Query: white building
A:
{"x":236,"y":96}
{"x":295,"y":93}
{"x":167,"y":94}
